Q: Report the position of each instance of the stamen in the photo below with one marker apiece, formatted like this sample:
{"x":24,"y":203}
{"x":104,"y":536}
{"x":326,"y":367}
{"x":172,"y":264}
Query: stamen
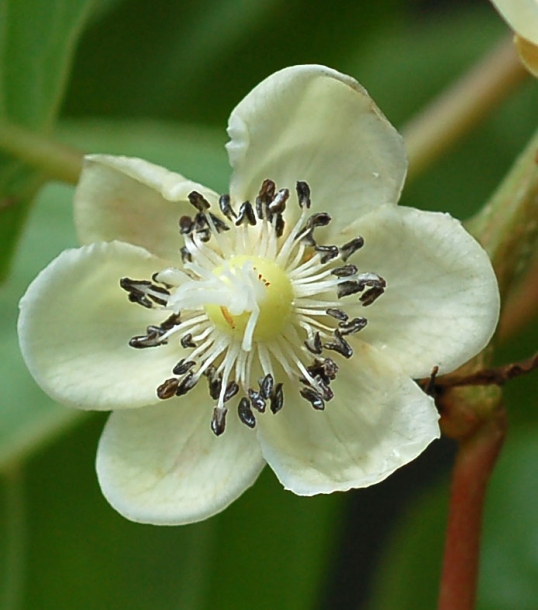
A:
{"x":246,"y":215}
{"x":264,"y":198}
{"x":337,"y":313}
{"x":313,"y":397}
{"x":303,"y":194}
{"x":313,"y":344}
{"x":245,"y":413}
{"x":168,"y":388}
{"x":152,"y":338}
{"x":183,"y":366}
{"x":186,"y":225}
{"x":218,"y":421}
{"x":187,"y":341}
{"x":266,"y":386}
{"x":187,"y":383}
{"x":351,"y":247}
{"x":256,"y":400}
{"x":226,"y":207}
{"x":345,"y":271}
{"x":199,"y":201}
{"x":339,"y":345}
{"x":353,"y":326}
{"x":277,"y":398}
{"x":327,"y":252}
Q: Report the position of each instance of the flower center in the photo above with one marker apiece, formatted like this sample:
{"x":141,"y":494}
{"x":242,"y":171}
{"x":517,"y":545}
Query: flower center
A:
{"x":258,"y":296}
{"x":256,"y":304}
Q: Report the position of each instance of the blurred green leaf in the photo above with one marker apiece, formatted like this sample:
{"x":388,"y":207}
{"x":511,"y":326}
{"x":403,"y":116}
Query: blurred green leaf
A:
{"x":408,"y":578}
{"x":37,"y":41}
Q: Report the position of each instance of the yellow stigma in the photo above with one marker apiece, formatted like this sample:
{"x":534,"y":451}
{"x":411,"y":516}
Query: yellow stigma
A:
{"x":275,"y":305}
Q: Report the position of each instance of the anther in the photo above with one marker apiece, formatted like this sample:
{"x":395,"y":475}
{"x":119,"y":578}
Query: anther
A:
{"x":186,"y":341}
{"x":277,"y":399}
{"x":327,"y":252}
{"x":218,"y":421}
{"x":186,"y":225}
{"x":231,"y":390}
{"x":303,"y":194}
{"x":266,"y":386}
{"x":264,"y":198}
{"x":186,"y":256}
{"x":183,"y":366}
{"x":313,"y":344}
{"x":345,"y":271}
{"x":171,"y":321}
{"x":226,"y":207}
{"x":278,"y":204}
{"x":245,"y":413}
{"x":246,"y":214}
{"x":279,"y":225}
{"x":353,"y":326}
{"x":199,"y":201}
{"x":352,"y":246}
{"x":219,"y":224}
{"x":215,"y":386}
{"x":256,"y":400}
{"x":322,"y":219}
{"x":344,"y":289}
{"x":152,"y":338}
{"x":329,"y":368}
{"x":376,"y":287}
{"x":313,"y":397}
{"x":340,"y":345}
{"x":168,"y":388}
{"x":338,"y":314}
{"x":187,"y":383}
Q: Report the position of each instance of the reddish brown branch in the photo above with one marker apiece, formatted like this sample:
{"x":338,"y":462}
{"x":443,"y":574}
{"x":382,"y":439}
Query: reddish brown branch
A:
{"x":474,"y":463}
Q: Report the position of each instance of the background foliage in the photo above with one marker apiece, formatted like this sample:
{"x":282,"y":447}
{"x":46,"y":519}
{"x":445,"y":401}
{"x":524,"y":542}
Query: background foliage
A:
{"x":158,"y":79}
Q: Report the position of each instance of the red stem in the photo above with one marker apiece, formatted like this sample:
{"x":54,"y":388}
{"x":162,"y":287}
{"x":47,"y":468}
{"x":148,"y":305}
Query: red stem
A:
{"x":476,"y":457}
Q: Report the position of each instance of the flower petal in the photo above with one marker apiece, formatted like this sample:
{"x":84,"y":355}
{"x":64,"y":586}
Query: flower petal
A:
{"x":441,"y":304}
{"x":528,"y":52}
{"x":163,"y":464}
{"x":521,"y":16}
{"x":377,"y":421}
{"x":133,"y":201}
{"x":314,"y":124}
{"x":75,"y":324}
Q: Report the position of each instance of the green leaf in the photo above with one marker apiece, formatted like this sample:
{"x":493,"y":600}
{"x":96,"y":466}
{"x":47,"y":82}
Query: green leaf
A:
{"x":37,"y":41}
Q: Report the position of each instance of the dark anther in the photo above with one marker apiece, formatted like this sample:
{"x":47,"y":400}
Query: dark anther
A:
{"x":329,"y":368}
{"x":326,"y":392}
{"x":245,"y":413}
{"x":264,"y":198}
{"x":152,"y":338}
{"x":215,"y":386}
{"x":340,"y":345}
{"x":186,"y":256}
{"x":313,"y":344}
{"x":279,"y":225}
{"x":231,"y":390}
{"x":278,"y":204}
{"x":219,"y":224}
{"x":352,"y":326}
{"x":327,"y":252}
{"x":140,"y":299}
{"x":303,"y":194}
{"x":313,"y":397}
{"x":183,"y":366}
{"x":352,"y":246}
{"x":199,"y":201}
{"x":372,"y":294}
{"x":186,"y":225}
{"x":218,"y":421}
{"x":187,"y":383}
{"x":344,"y":271}
{"x":168,"y":388}
{"x":226,"y":207}
{"x":200,"y":221}
{"x":322,"y":219}
{"x":337,"y":313}
{"x":344,"y":289}
{"x":186,"y":341}
{"x":266,"y":386}
{"x":137,"y":291}
{"x":277,"y":399}
{"x":257,"y":400}
{"x":171,"y":321}
{"x":246,"y":214}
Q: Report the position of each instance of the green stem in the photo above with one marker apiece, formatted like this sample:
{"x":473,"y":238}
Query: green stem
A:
{"x":474,"y":463}
{"x":462,"y":106}
{"x":507,"y":226}
{"x":56,"y":160}
{"x":15,"y":544}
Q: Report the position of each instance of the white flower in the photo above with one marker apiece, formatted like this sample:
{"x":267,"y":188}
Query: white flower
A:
{"x":286,"y":335}
{"x":522,"y":17}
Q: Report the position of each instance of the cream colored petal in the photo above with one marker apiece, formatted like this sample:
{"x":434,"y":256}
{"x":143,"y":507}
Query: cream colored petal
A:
{"x":133,"y":201}
{"x":163,"y":464}
{"x":378,"y":421}
{"x":314,"y":124}
{"x":441,"y":303}
{"x":521,"y":16}
{"x":528,"y":53}
{"x":75,"y":324}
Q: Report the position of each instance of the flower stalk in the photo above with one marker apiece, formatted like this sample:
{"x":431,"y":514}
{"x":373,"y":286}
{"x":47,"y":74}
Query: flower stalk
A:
{"x":475,"y":460}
